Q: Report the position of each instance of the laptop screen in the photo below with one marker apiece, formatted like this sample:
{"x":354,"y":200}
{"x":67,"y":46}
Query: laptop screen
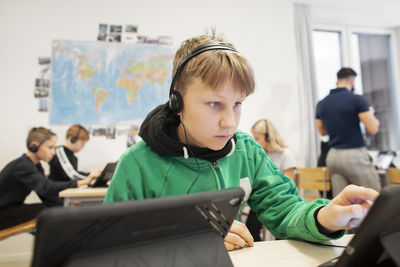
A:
{"x":384,"y":160}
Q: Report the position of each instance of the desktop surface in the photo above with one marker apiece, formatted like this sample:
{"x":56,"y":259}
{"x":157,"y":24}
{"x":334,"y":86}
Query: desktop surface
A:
{"x":288,"y":253}
{"x":83,"y":195}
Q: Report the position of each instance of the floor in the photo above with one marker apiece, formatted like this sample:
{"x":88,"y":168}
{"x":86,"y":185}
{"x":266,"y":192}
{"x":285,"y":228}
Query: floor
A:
{"x":16,"y":251}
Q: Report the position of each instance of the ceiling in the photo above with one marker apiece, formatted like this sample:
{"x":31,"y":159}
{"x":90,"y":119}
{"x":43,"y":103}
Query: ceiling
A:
{"x":379,"y":13}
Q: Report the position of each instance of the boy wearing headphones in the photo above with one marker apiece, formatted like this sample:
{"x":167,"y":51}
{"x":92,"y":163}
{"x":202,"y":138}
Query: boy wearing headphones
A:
{"x":24,"y":174}
{"x":191,"y":144}
{"x":64,"y":165}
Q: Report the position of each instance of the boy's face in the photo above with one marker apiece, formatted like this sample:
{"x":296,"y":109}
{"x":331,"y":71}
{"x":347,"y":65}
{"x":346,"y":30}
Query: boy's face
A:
{"x":78,"y":145}
{"x":47,"y":150}
{"x":210,"y":117}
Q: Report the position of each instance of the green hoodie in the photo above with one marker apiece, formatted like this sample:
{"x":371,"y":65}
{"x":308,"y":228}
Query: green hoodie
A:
{"x":142,"y":173}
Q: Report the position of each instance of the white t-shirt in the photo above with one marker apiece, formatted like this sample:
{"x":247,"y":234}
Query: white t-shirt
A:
{"x":284,"y":160}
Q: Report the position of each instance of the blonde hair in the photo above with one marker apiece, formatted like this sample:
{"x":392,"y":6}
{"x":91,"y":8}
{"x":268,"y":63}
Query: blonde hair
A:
{"x":214,"y":67}
{"x":77,"y":131}
{"x":264,"y":126}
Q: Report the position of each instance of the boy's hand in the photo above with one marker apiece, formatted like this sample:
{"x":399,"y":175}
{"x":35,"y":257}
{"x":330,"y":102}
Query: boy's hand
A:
{"x":88,"y":180}
{"x":95,"y":174}
{"x":348,"y":209}
{"x":238,"y":236}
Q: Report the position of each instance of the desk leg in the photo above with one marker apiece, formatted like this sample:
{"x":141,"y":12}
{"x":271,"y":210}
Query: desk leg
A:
{"x":383,"y":179}
{"x":66,"y":201}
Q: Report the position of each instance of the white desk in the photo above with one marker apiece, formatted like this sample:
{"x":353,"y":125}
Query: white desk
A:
{"x":84,"y":195}
{"x":287,"y":253}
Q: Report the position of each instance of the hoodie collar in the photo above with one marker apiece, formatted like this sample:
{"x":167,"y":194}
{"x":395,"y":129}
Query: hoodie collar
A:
{"x":158,"y":130}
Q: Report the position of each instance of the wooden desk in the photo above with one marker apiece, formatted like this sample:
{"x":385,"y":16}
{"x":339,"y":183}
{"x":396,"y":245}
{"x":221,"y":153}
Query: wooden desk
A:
{"x":287,"y":253}
{"x":85,"y":195}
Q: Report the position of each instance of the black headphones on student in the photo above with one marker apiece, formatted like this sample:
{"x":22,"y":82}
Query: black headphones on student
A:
{"x":34,"y":148}
{"x":175,"y":98}
{"x":267,"y":138}
{"x":75,"y":138}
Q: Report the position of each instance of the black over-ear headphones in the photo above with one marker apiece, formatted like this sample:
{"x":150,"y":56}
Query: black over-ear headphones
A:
{"x":75,"y":138}
{"x":175,"y":98}
{"x":267,"y":138}
{"x":34,"y":148}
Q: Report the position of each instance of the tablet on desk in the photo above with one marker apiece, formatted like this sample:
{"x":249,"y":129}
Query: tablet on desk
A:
{"x":186,"y":230}
{"x":377,"y":242}
{"x":105,"y":176}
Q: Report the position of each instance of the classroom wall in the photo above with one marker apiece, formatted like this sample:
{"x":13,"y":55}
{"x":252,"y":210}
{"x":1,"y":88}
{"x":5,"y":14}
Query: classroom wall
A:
{"x":260,"y":30}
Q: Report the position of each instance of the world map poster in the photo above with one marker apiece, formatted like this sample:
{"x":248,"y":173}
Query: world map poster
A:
{"x":108,"y":83}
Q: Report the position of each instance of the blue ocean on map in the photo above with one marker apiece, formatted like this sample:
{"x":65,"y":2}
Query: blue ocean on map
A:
{"x":108,"y":83}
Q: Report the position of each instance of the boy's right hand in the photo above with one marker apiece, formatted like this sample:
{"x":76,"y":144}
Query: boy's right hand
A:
{"x":238,"y":236}
{"x":88,"y":180}
{"x":95,"y":174}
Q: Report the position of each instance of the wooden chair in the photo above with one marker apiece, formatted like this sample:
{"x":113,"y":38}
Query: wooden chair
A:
{"x":393,"y":176}
{"x":25,"y":227}
{"x":313,"y":179}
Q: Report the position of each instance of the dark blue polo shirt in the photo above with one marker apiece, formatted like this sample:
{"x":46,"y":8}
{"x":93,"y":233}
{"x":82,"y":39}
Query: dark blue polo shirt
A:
{"x":339,"y":114}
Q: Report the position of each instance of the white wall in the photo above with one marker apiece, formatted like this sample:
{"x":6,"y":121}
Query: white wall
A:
{"x":261,"y":30}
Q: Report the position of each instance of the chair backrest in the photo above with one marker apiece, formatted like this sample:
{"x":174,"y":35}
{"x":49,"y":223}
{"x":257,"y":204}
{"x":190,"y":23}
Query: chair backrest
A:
{"x":25,"y":227}
{"x":393,"y":176}
{"x":314,"y":179}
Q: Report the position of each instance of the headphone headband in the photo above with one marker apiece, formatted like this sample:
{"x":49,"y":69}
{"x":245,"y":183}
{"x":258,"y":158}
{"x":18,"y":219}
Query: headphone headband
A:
{"x":195,"y":52}
{"x":267,"y":137}
{"x":75,"y":138}
{"x":34,"y":148}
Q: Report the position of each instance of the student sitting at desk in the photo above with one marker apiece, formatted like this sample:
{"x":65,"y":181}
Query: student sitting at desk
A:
{"x":266,"y":134}
{"x":191,"y":144}
{"x":24,"y":174}
{"x":64,"y":165}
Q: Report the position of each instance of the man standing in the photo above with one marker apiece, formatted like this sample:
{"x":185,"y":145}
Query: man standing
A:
{"x":339,"y":115}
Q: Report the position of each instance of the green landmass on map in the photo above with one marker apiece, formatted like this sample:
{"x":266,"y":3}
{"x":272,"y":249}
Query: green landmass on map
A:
{"x":99,"y":95}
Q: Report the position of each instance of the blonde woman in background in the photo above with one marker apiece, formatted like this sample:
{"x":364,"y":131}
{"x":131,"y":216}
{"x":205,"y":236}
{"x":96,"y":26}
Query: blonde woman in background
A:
{"x":266,"y":134}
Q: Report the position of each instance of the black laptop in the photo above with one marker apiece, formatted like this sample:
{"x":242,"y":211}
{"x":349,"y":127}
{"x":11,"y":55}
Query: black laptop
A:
{"x":186,"y":230}
{"x":377,"y":242}
{"x":105,"y":176}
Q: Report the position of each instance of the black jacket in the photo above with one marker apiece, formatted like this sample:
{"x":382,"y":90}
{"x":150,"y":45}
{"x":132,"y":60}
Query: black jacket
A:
{"x":20,"y":177}
{"x":57,"y":172}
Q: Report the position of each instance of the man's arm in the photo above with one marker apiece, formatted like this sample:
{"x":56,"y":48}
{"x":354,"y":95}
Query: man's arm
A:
{"x":369,"y":120}
{"x":320,"y":127}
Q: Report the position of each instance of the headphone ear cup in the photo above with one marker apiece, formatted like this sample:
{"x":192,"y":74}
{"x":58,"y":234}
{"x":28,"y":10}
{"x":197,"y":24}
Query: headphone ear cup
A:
{"x":33,"y":148}
{"x":267,"y":131}
{"x":75,"y":138}
{"x":175,"y":102}
{"x":267,"y":137}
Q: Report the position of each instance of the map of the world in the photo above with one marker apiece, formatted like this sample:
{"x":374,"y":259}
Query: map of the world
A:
{"x":108,"y":83}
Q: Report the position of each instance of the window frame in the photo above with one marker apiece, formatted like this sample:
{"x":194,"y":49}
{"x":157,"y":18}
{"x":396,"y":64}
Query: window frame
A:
{"x":348,"y":59}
